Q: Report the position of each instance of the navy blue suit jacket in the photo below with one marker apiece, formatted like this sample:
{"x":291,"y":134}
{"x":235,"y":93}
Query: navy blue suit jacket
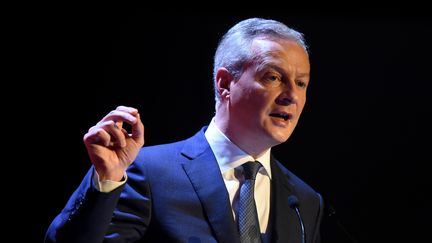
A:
{"x":175,"y":193}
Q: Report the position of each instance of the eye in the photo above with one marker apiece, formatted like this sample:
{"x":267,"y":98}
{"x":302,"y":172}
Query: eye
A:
{"x":272,"y":78}
{"x":301,"y":84}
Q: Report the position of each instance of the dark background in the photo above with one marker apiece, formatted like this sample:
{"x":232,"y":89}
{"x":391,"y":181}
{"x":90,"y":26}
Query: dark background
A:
{"x":363,"y":140}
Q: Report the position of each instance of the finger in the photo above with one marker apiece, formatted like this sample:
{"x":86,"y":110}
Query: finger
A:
{"x":127,"y":109}
{"x":117,"y":136}
{"x":103,"y":124}
{"x":97,"y":135}
{"x":119,"y":116}
{"x":118,"y":124}
{"x":138,"y":130}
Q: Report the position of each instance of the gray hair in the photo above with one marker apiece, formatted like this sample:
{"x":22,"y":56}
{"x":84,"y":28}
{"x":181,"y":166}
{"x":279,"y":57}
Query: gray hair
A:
{"x":234,"y":49}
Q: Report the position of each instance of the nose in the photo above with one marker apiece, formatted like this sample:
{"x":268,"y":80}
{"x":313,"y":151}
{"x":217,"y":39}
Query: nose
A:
{"x":288,"y":96}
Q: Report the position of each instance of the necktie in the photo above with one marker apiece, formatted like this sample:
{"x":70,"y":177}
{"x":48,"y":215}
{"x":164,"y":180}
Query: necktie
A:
{"x":247,"y":214}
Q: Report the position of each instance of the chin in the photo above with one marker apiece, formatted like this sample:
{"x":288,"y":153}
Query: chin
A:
{"x":282,"y":139}
{"x":279,"y":137}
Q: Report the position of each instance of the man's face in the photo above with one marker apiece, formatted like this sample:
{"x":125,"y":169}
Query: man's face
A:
{"x":267,"y":100}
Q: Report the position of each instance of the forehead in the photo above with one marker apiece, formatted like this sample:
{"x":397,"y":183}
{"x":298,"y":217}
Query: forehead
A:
{"x":280,"y":52}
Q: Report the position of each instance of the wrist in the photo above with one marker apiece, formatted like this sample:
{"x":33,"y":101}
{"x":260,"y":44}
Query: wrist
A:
{"x":117,"y":175}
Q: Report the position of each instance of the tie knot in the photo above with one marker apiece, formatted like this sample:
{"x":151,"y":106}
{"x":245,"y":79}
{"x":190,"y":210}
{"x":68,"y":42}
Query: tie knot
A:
{"x":250,"y":169}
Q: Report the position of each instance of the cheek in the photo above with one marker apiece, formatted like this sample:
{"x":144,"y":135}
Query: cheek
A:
{"x":301,"y":104}
{"x":250,"y":98}
{"x":261,"y":103}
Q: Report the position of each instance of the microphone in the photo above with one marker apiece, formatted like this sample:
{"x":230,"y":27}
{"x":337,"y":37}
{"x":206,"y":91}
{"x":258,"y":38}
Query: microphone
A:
{"x":294,"y":203}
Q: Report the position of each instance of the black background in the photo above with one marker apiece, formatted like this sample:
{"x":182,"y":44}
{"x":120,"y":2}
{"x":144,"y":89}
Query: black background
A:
{"x":363,"y":140}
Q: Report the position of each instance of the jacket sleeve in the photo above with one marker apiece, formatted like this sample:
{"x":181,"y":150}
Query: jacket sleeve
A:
{"x":92,"y":216}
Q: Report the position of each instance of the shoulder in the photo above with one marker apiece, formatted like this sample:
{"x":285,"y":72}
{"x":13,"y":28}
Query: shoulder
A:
{"x":160,"y":150}
{"x":170,"y":154}
{"x":160,"y":155}
{"x":301,"y":188}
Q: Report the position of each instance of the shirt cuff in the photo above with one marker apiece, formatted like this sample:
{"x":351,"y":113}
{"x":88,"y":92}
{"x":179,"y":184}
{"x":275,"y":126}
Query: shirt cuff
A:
{"x":107,"y":185}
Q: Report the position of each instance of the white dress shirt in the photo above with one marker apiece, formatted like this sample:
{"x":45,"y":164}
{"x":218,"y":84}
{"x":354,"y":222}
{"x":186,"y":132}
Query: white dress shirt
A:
{"x":229,"y":157}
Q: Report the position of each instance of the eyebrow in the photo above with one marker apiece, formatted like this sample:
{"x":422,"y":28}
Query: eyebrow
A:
{"x":267,"y":65}
{"x":303,"y":75}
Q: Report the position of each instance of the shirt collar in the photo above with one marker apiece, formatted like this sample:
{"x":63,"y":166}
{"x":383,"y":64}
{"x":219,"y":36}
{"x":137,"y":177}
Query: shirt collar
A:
{"x":228,"y":155}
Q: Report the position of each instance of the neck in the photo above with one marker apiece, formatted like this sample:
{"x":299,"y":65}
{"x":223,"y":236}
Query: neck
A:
{"x":245,"y":140}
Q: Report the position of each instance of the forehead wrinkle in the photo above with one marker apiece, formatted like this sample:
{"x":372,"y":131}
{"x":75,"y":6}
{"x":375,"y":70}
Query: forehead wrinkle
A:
{"x":267,"y":59}
{"x":272,"y":56}
{"x":266,"y":62}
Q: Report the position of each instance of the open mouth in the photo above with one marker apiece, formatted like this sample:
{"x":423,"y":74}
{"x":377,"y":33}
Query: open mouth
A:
{"x":281,"y":115}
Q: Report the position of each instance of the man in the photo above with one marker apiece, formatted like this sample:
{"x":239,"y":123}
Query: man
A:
{"x":191,"y":191}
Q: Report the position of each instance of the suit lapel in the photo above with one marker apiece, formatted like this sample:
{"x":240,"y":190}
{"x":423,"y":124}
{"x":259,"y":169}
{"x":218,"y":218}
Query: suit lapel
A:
{"x":286,"y":227}
{"x":205,"y":176}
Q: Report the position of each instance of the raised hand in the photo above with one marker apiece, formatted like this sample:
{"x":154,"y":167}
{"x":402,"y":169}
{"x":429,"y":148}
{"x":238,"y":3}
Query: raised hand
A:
{"x":111,"y":149}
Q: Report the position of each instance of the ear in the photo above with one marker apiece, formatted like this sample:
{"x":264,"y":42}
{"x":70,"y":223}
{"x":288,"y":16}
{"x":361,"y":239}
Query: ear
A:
{"x":223,"y":82}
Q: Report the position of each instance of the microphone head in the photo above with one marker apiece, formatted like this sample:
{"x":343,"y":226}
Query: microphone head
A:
{"x":293,"y":201}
